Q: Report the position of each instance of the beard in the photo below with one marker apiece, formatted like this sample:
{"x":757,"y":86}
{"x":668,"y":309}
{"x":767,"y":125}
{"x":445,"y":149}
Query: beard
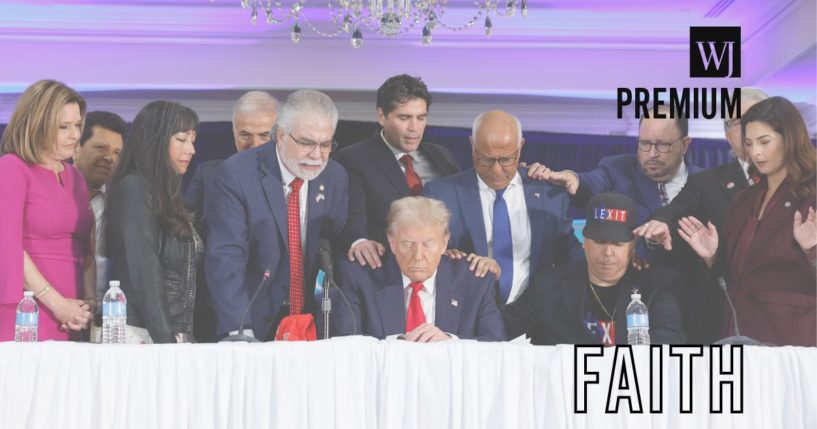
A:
{"x":297,"y":167}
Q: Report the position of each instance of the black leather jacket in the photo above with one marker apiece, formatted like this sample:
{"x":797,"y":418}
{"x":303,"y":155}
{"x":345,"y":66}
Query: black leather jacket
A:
{"x":157,"y":271}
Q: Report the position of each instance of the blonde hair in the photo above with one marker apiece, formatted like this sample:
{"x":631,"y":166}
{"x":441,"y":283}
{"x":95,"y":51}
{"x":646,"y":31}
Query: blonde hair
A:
{"x":417,"y":211}
{"x":32,"y":131}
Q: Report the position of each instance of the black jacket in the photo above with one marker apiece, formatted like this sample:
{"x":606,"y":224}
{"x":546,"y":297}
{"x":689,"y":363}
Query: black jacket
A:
{"x":706,"y":196}
{"x":375,"y":181}
{"x":157,"y":271}
{"x":552,"y":308}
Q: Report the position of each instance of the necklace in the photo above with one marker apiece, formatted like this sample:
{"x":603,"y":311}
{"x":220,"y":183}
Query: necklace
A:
{"x":613,"y":316}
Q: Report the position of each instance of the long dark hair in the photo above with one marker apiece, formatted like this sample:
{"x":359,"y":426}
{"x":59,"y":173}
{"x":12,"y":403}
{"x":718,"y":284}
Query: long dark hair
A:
{"x":146,"y":154}
{"x":799,"y":154}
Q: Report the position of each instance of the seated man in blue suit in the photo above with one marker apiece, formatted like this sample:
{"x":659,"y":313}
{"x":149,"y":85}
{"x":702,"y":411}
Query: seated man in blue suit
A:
{"x":498,"y":212}
{"x":268,"y":209}
{"x":651,"y":177}
{"x":418,"y":294}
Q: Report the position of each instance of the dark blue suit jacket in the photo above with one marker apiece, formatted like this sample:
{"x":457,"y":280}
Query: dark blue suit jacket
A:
{"x":622,"y":174}
{"x":247,"y":218}
{"x":198,"y":191}
{"x":465,"y":305}
{"x":551,"y":229}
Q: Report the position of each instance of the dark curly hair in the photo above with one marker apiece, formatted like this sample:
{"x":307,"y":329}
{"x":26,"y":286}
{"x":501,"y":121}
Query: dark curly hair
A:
{"x":146,"y":154}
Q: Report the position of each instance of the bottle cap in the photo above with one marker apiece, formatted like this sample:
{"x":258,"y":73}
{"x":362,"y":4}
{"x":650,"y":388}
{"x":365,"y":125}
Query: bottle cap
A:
{"x":636,"y":294}
{"x":28,"y":294}
{"x":113,"y":283}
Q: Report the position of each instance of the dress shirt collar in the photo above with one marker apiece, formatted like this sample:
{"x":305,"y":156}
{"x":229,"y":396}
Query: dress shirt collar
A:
{"x":397,"y":154}
{"x":680,"y":177}
{"x":516,"y":181}
{"x":428,"y":285}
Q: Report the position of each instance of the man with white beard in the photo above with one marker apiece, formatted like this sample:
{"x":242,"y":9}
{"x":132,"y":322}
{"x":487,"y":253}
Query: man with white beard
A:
{"x":268,"y":203}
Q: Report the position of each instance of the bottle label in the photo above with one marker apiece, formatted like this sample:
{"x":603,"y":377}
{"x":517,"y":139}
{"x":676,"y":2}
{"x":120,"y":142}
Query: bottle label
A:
{"x":638,"y":321}
{"x":27,"y":319}
{"x":114,"y":309}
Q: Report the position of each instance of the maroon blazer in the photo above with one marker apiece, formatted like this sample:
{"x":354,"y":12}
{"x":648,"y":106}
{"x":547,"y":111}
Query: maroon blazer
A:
{"x":774,"y":287}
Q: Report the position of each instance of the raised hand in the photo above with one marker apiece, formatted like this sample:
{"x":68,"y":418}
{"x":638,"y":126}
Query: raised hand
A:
{"x":805,"y":231}
{"x":702,"y":239}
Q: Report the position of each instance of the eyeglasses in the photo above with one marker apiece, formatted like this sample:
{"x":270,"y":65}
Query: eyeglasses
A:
{"x":661,"y":147}
{"x":504,"y":161}
{"x":309,"y":145}
{"x":731,"y":123}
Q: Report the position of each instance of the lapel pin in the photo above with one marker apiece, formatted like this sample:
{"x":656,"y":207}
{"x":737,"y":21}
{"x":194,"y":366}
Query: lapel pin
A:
{"x":787,"y":204}
{"x":454,"y":303}
{"x":730,"y":185}
{"x":536,"y":194}
{"x":319,"y":198}
{"x":321,"y":188}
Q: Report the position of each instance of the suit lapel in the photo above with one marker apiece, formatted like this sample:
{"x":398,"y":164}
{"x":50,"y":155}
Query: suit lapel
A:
{"x":471,"y":206}
{"x":732,"y":173}
{"x":774,"y":215}
{"x":391,"y":302}
{"x":384,"y":160}
{"x":438,"y":161}
{"x":448,"y":300}
{"x":648,"y":190}
{"x":316,"y":204}
{"x":535,"y":202}
{"x":273,"y":187}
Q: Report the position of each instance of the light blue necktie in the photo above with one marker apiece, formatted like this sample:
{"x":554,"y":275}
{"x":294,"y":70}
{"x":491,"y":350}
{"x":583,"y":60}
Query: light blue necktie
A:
{"x":503,"y":245}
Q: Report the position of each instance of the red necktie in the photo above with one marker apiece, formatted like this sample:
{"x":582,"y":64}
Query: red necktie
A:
{"x":296,"y":265}
{"x":415,"y":316}
{"x":412,"y":178}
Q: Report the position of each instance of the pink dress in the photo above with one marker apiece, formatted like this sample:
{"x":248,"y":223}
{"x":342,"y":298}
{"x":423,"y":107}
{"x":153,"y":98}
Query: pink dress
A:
{"x":51,"y":221}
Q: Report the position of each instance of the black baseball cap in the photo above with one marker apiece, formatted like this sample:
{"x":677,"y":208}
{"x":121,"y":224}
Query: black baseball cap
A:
{"x":610,"y":217}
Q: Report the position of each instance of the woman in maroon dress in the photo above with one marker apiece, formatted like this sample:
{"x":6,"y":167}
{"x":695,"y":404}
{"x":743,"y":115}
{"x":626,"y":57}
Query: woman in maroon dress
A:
{"x":45,"y":220}
{"x":771,"y":231}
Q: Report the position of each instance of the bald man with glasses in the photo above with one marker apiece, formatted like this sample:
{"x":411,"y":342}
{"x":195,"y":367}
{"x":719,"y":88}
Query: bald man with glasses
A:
{"x":500,"y":218}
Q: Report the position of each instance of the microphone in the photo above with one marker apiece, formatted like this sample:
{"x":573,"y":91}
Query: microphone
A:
{"x":240,"y":337}
{"x":737,"y":338}
{"x":325,"y":251}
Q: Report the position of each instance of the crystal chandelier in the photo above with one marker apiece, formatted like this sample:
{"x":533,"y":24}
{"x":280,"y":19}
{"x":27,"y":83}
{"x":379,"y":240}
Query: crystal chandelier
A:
{"x":386,"y":17}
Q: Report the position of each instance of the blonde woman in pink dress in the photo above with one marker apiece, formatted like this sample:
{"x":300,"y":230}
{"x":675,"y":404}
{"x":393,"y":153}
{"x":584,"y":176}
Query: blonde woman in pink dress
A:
{"x":45,"y":220}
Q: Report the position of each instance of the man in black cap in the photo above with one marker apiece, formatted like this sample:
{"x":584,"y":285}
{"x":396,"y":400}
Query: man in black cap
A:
{"x":585,"y":302}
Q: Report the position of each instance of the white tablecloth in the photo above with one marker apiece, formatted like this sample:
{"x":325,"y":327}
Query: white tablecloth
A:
{"x":363,"y":383}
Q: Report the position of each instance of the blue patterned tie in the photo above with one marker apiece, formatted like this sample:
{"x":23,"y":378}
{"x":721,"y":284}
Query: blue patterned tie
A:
{"x":503,"y":245}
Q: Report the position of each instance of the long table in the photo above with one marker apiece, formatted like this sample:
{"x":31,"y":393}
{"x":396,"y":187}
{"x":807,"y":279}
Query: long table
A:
{"x":358,"y":382}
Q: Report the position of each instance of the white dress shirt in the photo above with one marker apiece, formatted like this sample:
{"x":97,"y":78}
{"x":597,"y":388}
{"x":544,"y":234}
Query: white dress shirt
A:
{"x":428,"y":296}
{"x":98,"y":207}
{"x":674,"y":185}
{"x":745,"y":167}
{"x":428,"y":300}
{"x":520,"y":229}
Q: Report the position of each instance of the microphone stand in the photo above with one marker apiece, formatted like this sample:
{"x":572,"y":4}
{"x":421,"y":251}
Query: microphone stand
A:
{"x":326,"y":304}
{"x":737,"y":338}
{"x":240,"y":336}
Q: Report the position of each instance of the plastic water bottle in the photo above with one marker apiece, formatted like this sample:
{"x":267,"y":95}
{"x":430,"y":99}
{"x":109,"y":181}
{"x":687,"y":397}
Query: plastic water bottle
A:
{"x":638,"y":321}
{"x":114,"y":314}
{"x":28,"y":315}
